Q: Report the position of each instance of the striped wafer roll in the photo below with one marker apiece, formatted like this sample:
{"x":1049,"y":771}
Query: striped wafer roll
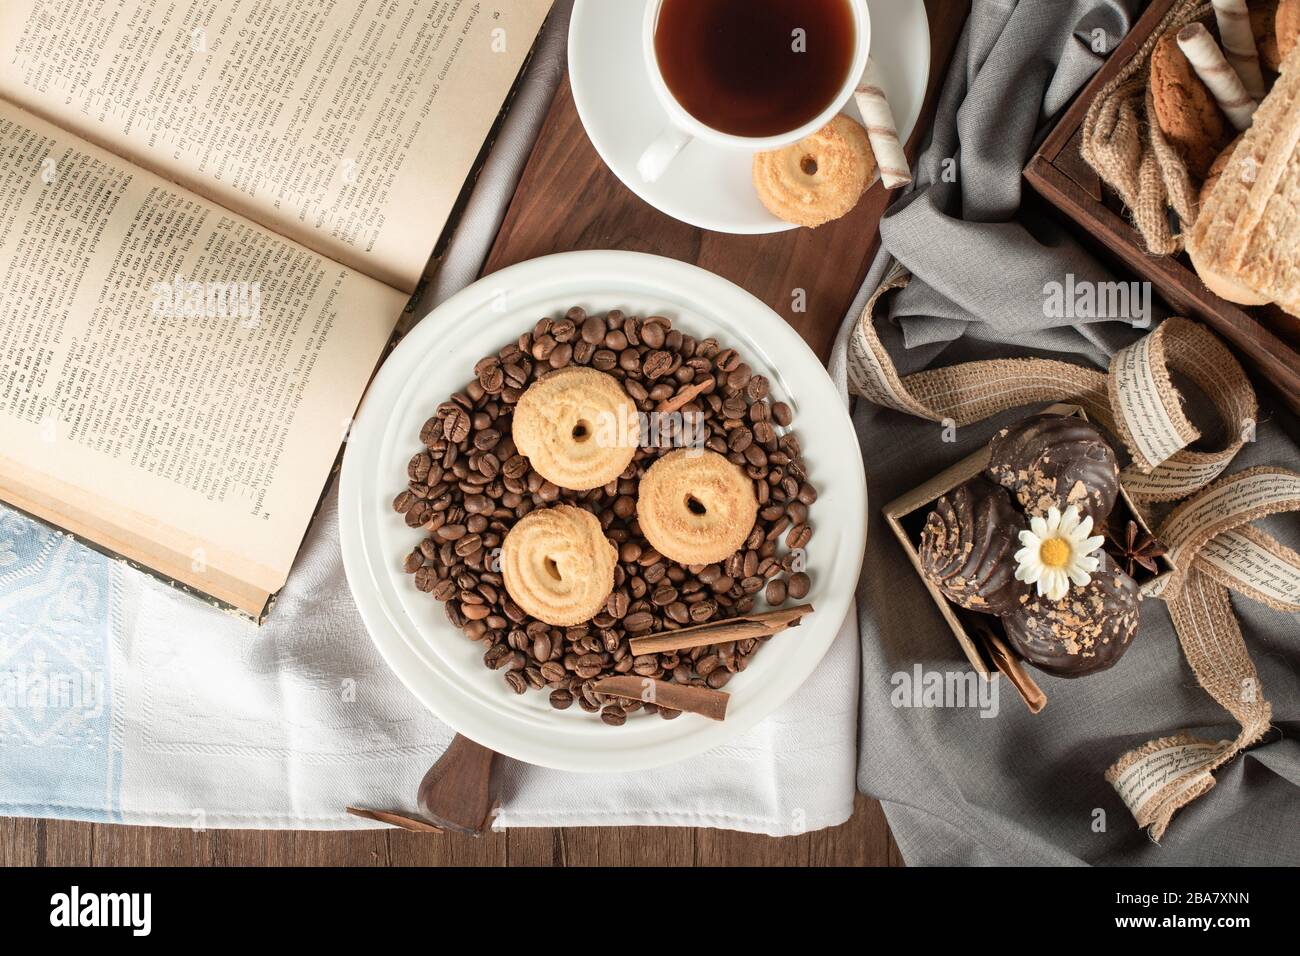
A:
{"x":1239,"y":44}
{"x":881,"y":129}
{"x":1215,"y":72}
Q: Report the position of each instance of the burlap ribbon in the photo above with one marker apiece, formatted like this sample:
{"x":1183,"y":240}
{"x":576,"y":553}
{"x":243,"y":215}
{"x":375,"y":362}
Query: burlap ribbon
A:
{"x":1212,"y":544}
{"x":1125,"y":147}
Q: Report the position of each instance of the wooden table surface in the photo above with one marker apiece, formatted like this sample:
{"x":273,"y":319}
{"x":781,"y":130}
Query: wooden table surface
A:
{"x":566,"y":200}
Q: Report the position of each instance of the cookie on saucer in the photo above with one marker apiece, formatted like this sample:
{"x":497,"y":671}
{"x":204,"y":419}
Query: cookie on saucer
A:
{"x":819,"y":178}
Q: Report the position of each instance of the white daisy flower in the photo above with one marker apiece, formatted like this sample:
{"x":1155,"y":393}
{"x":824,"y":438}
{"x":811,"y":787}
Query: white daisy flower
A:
{"x":1057,"y":550}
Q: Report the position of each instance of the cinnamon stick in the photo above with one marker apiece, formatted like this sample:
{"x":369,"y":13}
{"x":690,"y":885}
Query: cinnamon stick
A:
{"x":720,"y":632}
{"x":684,"y":397}
{"x":704,"y":701}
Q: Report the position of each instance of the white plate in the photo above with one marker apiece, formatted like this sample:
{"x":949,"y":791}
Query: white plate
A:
{"x":708,"y":186}
{"x":432,"y":657}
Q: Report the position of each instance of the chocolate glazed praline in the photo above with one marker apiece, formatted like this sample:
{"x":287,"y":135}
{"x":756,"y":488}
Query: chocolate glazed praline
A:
{"x":1084,"y":632}
{"x":967,"y":546}
{"x":1056,"y":460}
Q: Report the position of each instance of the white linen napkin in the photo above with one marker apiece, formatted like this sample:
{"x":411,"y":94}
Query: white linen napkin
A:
{"x":207,"y":721}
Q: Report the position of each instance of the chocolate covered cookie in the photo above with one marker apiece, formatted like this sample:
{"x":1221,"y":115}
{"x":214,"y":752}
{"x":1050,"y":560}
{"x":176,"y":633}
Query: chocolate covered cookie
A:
{"x":1056,"y":461}
{"x":967,"y":545}
{"x":1082,"y":633}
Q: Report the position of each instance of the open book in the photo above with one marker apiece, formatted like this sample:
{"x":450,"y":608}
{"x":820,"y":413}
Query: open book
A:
{"x":212,"y":215}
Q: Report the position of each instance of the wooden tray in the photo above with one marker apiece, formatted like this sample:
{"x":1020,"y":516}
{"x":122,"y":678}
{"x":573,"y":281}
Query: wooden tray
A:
{"x":567,"y":199}
{"x":1266,"y":339}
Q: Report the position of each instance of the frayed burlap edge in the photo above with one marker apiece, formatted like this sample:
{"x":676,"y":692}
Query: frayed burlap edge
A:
{"x":1124,"y":146}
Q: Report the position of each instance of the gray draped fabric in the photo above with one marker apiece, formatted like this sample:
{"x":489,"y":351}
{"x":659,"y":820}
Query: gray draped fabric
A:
{"x":959,"y":788}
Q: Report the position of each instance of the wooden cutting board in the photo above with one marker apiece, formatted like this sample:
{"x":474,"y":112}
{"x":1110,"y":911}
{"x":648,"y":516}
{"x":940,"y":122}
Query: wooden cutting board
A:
{"x":567,"y":199}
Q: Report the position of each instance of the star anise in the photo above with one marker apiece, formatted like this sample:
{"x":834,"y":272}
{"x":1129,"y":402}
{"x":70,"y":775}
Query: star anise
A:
{"x":1138,"y":549}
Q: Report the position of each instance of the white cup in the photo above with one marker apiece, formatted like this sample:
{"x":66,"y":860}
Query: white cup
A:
{"x":683,"y":127}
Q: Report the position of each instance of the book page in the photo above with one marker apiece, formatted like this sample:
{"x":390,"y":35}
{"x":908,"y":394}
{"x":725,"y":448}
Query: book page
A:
{"x":176,"y":380}
{"x":349,"y":127}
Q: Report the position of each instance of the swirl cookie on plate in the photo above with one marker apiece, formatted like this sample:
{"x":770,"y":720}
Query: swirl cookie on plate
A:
{"x":696,"y":507}
{"x":558,"y":566}
{"x":577,"y":427}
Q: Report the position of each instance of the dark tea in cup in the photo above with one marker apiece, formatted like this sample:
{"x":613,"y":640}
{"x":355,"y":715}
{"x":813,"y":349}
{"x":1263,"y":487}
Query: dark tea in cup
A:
{"x":755,"y":68}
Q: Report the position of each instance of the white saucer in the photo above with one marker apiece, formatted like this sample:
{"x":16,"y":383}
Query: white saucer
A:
{"x":433,"y":658}
{"x":708,"y":186}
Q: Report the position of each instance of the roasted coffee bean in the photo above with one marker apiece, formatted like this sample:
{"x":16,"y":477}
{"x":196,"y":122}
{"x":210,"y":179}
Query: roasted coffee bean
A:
{"x":542,"y":647}
{"x":776,"y":592}
{"x":515,"y":467}
{"x":800,"y":585}
{"x":593,"y":330}
{"x":418,"y":468}
{"x":663,"y":595}
{"x":561,"y":355}
{"x":613,"y":715}
{"x":553,"y":672}
{"x":779,"y":522}
{"x":491,"y":377}
{"x":798,"y":537}
{"x":656,"y":364}
{"x":496,"y":656}
{"x":702,"y":611}
{"x":516,"y":682}
{"x":617,"y":604}
{"x":455,"y":427}
{"x":543,"y":346}
{"x":654,"y":332}
{"x":561,"y":699}
{"x":564,"y":330}
{"x":474,"y":612}
{"x":739,"y":377}
{"x":516,"y":375}
{"x":638,"y":622}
